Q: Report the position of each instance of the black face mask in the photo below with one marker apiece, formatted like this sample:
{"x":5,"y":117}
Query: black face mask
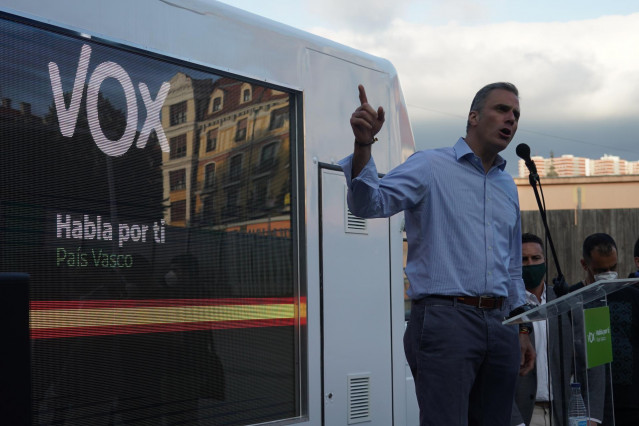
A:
{"x":533,"y":274}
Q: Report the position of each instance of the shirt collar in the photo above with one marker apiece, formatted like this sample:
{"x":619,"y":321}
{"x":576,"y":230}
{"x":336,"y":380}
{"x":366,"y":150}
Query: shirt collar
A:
{"x":462,"y":150}
{"x":532,"y":299}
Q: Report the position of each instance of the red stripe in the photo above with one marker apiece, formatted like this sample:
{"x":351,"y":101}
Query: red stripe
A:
{"x":149,"y":303}
{"x":52,"y":333}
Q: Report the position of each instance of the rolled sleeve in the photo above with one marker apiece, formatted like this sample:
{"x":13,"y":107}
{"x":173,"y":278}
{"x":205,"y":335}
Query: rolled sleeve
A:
{"x":368,"y":175}
{"x":361,"y":190}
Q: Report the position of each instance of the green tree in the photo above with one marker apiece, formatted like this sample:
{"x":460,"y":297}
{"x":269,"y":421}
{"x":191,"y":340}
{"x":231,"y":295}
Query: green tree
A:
{"x":552,"y":173}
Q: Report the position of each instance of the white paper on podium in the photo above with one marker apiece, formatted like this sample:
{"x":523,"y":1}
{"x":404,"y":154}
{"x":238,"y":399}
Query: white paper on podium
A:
{"x":567,"y":302}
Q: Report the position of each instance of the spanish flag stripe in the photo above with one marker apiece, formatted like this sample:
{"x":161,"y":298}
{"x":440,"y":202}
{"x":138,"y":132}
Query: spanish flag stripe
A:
{"x":94,"y":318}
{"x":52,"y":333}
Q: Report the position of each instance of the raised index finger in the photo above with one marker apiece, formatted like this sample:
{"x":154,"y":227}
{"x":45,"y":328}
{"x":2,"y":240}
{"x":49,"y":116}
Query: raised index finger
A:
{"x":362,"y":95}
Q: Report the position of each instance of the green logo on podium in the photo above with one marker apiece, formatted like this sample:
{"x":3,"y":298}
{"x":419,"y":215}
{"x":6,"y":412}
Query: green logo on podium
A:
{"x":598,"y":339}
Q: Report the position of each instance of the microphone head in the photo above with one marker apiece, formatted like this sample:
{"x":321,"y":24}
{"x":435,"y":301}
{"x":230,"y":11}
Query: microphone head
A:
{"x":523,"y":151}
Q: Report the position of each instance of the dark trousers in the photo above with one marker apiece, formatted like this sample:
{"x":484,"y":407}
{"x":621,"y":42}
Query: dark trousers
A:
{"x":464,"y":362}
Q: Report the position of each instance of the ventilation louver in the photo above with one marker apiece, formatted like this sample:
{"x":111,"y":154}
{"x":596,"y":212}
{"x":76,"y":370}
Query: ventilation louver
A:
{"x":359,"y":398}
{"x":352,"y":223}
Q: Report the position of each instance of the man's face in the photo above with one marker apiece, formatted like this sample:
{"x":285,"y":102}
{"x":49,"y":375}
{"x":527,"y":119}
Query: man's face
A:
{"x":496,"y":124}
{"x":599,"y":263}
{"x":531,"y":254}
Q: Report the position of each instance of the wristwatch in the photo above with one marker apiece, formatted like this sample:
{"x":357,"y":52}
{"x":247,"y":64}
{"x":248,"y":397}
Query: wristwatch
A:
{"x":365,"y":144}
{"x":524,"y":327}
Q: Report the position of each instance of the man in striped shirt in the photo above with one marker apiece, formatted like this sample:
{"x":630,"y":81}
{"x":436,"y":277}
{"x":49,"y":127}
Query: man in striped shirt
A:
{"x":464,"y":258}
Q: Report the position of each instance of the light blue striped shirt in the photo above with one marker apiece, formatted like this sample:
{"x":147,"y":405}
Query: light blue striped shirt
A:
{"x":463,"y":225}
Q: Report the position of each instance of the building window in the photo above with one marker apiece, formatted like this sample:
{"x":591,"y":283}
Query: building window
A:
{"x":177,"y":147}
{"x":240,"y":134}
{"x":232,"y":197}
{"x":209,"y":175}
{"x":246,"y":95}
{"x":217,"y":104}
{"x":177,"y":180}
{"x":235,"y":168}
{"x":208,"y":210}
{"x":178,"y":211}
{"x":211,"y":140}
{"x":278,"y":118}
{"x":178,"y":113}
{"x":260,"y":192}
{"x":267,"y":156}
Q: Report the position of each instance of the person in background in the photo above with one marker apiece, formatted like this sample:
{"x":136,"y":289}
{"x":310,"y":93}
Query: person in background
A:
{"x":532,"y":397}
{"x":538,"y":397}
{"x":463,"y":228}
{"x":600,"y":262}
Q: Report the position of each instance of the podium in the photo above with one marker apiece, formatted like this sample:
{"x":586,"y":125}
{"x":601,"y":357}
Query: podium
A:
{"x":579,"y":347}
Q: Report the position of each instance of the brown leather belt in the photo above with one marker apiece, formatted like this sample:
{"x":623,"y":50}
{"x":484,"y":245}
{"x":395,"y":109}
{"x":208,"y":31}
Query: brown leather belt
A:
{"x":481,"y":302}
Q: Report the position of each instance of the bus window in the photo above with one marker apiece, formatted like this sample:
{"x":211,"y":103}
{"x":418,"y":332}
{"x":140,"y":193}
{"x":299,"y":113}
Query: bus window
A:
{"x":158,"y":241}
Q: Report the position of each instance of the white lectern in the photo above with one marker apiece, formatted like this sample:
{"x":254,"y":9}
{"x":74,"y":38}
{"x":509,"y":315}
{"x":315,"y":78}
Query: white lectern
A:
{"x":579,"y":347}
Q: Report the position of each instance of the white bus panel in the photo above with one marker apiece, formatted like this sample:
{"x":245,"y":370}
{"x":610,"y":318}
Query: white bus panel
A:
{"x":170,"y":195}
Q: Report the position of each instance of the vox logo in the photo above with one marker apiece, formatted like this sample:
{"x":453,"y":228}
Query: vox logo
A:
{"x":68,"y":116}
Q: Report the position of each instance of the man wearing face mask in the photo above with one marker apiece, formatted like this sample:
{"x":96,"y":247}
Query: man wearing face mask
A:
{"x":532,"y":395}
{"x":532,"y":400}
{"x":599,"y":259}
{"x":539,"y":394}
{"x":600,"y":263}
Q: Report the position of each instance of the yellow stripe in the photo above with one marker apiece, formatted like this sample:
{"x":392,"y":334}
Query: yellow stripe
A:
{"x":58,"y":318}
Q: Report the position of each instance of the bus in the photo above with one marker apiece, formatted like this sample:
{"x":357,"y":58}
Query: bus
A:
{"x":175,"y":242}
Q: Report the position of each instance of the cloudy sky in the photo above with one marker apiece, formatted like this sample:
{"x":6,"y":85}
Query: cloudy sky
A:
{"x":576,"y":63}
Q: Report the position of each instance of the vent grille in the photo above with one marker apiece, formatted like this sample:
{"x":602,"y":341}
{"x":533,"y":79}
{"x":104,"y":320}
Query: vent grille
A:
{"x":359,"y":398}
{"x":352,"y":223}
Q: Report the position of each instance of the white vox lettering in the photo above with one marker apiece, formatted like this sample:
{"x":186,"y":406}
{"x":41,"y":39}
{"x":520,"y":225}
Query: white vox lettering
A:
{"x":68,"y":117}
{"x":153,"y":109}
{"x":101,"y":73}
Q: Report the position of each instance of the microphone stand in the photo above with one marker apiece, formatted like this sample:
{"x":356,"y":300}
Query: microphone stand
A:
{"x":533,"y":178}
{"x":559,"y":286}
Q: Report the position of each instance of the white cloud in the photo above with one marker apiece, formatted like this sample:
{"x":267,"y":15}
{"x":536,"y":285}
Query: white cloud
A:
{"x":468,"y":11}
{"x":366,"y":16}
{"x":579,"y":70}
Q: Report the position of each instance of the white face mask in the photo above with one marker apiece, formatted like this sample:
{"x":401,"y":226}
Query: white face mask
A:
{"x":610,"y":275}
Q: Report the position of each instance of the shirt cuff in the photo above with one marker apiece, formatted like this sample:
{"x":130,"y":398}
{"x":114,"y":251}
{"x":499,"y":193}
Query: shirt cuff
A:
{"x":368,"y":175}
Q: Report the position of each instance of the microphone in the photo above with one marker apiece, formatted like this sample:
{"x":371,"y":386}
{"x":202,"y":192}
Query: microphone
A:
{"x":523,"y":152}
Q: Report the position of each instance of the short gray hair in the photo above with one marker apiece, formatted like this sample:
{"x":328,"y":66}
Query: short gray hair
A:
{"x":479,"y":101}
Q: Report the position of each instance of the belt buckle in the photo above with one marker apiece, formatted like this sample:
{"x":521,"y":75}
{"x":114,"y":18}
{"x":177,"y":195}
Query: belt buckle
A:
{"x":490,"y":299}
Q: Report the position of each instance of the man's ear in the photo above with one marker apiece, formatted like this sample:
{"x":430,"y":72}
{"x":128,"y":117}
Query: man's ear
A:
{"x":637,"y":262}
{"x":473,"y":118}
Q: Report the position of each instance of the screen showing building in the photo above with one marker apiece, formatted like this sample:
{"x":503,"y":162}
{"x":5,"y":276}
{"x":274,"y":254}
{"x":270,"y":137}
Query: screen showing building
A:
{"x":151,"y":204}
